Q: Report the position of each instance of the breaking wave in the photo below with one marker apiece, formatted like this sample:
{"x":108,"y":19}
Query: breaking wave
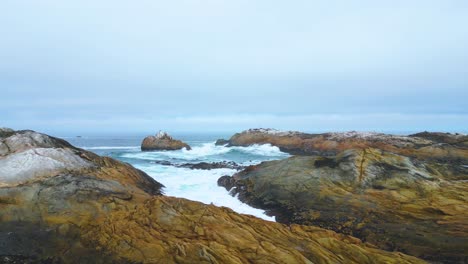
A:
{"x":209,"y":150}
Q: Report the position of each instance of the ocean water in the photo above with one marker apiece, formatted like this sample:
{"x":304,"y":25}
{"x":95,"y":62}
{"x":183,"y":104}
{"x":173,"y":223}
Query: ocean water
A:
{"x":197,"y":185}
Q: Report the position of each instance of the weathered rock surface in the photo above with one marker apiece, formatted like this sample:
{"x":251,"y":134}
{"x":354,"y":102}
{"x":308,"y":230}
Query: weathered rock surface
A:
{"x":98,"y":210}
{"x":162,"y":141}
{"x":441,"y":147}
{"x":389,"y":200}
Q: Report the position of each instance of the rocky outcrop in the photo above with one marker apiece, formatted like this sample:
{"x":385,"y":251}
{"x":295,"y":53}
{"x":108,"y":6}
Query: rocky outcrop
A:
{"x":221,"y":142}
{"x":162,"y":141}
{"x":390,"y":200}
{"x":61,"y":204}
{"x":444,"y":138}
{"x":424,"y":146}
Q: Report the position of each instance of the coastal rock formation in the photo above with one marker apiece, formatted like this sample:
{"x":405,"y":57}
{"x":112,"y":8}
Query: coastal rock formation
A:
{"x":221,"y":142}
{"x":389,"y":200}
{"x":61,"y":204}
{"x":162,"y":141}
{"x":442,"y":147}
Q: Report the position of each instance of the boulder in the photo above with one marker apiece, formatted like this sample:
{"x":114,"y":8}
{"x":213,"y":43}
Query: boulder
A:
{"x":68,"y":205}
{"x":162,"y":141}
{"x":389,"y":200}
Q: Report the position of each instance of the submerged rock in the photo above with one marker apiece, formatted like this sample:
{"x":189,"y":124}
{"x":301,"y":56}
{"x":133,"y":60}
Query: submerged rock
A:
{"x":389,"y":200}
{"x":212,"y":165}
{"x":82,"y":208}
{"x":162,"y":141}
{"x":203,"y":165}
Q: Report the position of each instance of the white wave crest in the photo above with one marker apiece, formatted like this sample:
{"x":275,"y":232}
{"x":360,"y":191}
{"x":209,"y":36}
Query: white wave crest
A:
{"x":262,"y":150}
{"x":206,"y":151}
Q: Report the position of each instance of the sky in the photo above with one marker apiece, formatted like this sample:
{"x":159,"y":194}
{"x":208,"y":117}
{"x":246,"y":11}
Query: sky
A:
{"x":73,"y":67}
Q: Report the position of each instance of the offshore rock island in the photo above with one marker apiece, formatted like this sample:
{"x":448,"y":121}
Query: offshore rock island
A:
{"x":62,"y":204}
{"x":403,"y":193}
{"x":162,"y":141}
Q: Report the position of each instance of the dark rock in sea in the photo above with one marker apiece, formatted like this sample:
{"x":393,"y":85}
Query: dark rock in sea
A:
{"x":227,"y":182}
{"x":61,"y":204}
{"x":396,"y":202}
{"x":203,"y":165}
{"x":162,"y":141}
{"x":221,"y":142}
{"x":212,"y":165}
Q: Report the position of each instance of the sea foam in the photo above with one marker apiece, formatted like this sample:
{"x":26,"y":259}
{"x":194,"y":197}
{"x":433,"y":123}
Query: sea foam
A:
{"x":199,"y":185}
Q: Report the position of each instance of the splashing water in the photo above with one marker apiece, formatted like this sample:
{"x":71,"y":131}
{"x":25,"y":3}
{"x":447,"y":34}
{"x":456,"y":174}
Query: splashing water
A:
{"x":198,"y":185}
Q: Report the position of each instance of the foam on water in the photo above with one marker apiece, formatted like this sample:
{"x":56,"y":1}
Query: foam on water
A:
{"x":262,"y":150}
{"x":199,"y":185}
{"x":206,"y":151}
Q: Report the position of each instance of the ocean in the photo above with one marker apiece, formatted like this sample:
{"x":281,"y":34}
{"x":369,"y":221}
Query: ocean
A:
{"x":193,"y":184}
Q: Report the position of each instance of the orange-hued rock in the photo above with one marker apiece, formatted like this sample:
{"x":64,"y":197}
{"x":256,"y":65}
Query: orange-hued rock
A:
{"x":61,"y":204}
{"x":162,"y":141}
{"x":428,"y":146}
{"x":389,"y":200}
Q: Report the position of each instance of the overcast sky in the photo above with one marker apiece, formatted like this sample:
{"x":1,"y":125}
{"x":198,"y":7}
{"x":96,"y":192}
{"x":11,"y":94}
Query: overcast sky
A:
{"x":212,"y":65}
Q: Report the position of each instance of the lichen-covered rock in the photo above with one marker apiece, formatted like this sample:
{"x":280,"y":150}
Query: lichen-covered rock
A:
{"x":392,"y":201}
{"x":98,"y":210}
{"x":425,"y":146}
{"x":162,"y":141}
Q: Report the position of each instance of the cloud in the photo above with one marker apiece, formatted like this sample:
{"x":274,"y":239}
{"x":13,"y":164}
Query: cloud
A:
{"x":392,"y":123}
{"x":189,"y":64}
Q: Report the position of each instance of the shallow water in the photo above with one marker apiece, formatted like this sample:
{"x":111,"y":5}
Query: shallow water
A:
{"x":197,"y":185}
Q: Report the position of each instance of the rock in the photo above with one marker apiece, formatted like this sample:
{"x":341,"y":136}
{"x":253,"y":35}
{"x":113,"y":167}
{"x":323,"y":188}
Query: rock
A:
{"x":162,"y":141}
{"x":221,"y":142}
{"x":99,"y":210}
{"x":386,"y":199}
{"x":212,"y":165}
{"x":4,"y":131}
{"x":227,"y":182}
{"x":202,"y":165}
{"x":426,"y":146}
{"x":445,"y":138}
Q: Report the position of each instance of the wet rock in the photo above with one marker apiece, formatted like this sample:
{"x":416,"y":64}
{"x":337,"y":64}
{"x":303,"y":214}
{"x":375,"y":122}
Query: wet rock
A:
{"x":162,"y":141}
{"x":212,"y":165}
{"x":203,"y":165}
{"x":227,"y":182}
{"x":221,"y":142}
{"x":389,"y":200}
